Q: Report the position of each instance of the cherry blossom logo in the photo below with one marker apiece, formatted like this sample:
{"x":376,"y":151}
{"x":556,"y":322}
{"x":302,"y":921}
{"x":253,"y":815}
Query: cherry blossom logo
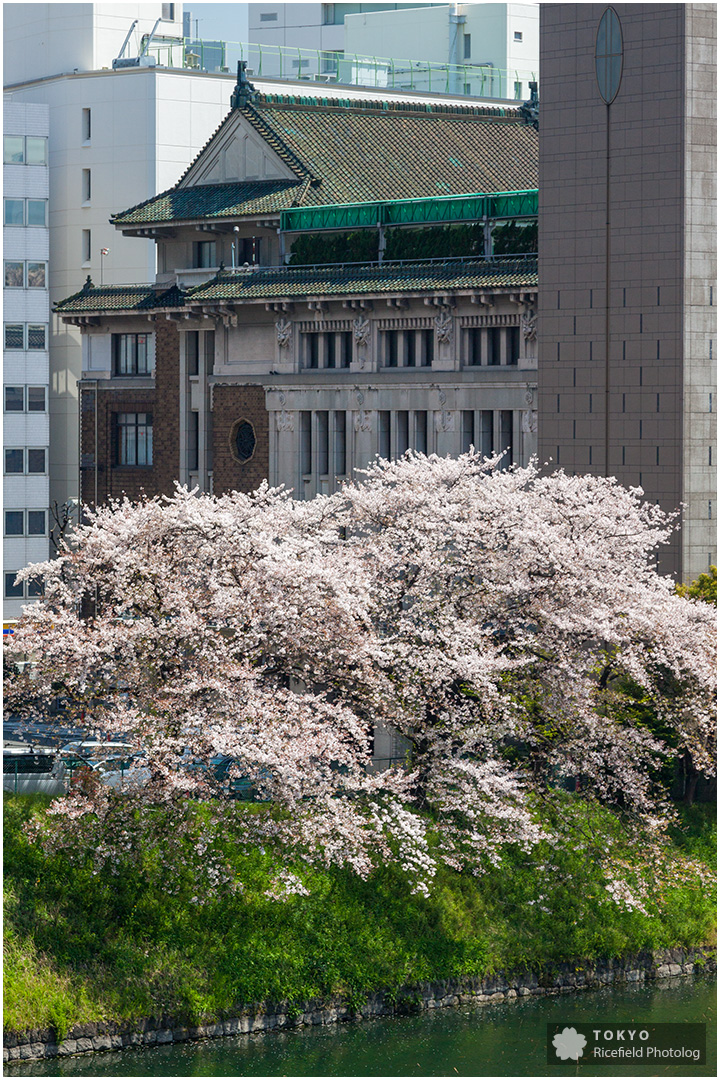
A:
{"x":569,"y":1044}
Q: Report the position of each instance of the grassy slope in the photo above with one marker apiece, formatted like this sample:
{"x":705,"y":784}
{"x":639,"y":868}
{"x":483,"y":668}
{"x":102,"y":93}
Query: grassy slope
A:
{"x":79,"y":948}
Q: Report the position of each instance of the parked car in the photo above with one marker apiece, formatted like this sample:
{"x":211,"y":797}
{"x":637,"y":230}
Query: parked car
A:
{"x":30,"y":770}
{"x":115,"y":763}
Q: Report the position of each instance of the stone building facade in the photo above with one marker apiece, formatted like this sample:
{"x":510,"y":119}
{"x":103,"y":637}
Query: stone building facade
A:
{"x":234,"y":367}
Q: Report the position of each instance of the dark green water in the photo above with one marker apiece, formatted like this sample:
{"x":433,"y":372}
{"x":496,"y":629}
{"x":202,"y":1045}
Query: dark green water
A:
{"x":492,"y":1040}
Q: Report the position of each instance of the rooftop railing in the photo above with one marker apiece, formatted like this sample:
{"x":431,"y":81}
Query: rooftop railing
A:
{"x":344,"y":69}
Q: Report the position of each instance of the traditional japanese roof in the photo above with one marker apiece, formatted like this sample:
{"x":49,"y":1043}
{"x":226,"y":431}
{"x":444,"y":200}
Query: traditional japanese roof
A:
{"x":311,"y":282}
{"x":361,"y":280}
{"x":349,"y":151}
{"x":246,"y":198}
{"x":94,"y":299}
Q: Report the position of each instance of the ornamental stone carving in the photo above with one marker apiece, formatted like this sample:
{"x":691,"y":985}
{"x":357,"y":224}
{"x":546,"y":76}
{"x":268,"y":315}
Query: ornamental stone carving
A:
{"x":444,"y":327}
{"x":445,"y":420}
{"x":361,"y":330}
{"x":283,"y":329}
{"x":362,"y":420}
{"x":529,"y":422}
{"x":529,"y":324}
{"x":285,"y":421}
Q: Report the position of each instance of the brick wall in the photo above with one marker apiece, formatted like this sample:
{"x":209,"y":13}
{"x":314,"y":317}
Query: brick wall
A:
{"x":231,"y":404}
{"x":113,"y":397}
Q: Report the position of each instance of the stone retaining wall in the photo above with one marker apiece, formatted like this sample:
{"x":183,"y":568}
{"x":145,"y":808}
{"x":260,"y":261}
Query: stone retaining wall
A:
{"x":553,"y":979}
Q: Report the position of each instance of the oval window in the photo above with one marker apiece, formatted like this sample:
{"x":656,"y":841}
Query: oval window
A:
{"x":609,"y":55}
{"x":245,"y":440}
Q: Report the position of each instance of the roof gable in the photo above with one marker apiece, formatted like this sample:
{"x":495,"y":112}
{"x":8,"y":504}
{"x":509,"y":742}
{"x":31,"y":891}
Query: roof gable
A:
{"x":236,"y":152}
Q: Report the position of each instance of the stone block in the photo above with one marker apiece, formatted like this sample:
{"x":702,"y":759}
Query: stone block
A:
{"x":5,"y":1053}
{"x":101,"y":1042}
{"x":511,"y":994}
{"x":180,"y":1034}
{"x":524,"y":991}
{"x":83,"y":1045}
{"x":163,"y":1036}
{"x":13,"y":1053}
{"x":674,"y":969}
{"x":66,"y":1047}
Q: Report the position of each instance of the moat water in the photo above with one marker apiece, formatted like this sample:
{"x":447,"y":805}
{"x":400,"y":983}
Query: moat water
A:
{"x":507,"y":1039}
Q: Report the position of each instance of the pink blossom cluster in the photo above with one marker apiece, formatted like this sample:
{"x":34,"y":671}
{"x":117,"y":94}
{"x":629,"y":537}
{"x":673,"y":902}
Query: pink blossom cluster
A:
{"x":494,"y":619}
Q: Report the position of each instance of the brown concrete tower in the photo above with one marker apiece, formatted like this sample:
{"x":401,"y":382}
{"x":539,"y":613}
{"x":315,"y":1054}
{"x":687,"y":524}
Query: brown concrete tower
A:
{"x":627,"y":255}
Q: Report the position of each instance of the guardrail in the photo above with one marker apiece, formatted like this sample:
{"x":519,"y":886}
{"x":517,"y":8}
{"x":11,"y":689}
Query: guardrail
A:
{"x":345,"y":69}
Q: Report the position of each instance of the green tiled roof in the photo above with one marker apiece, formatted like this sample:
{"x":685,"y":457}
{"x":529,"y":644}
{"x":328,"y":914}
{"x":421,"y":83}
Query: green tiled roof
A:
{"x":309,"y":282}
{"x":244,"y":199}
{"x":93,"y":299}
{"x":360,"y":152}
{"x":354,"y":280}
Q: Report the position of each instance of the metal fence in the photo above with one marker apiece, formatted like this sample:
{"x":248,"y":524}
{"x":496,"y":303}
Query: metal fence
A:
{"x":345,"y":69}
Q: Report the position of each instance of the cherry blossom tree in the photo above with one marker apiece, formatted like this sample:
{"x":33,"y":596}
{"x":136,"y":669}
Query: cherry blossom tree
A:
{"x":493,"y":618}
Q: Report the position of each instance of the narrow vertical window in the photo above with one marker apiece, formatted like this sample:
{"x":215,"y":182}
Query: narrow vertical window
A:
{"x":346,"y":348}
{"x":86,"y":185}
{"x":192,"y":351}
{"x":494,"y":346}
{"x":193,"y":440}
{"x":384,"y":434}
{"x":323,"y":451}
{"x":340,"y":444}
{"x":513,"y":345}
{"x":403,"y":432}
{"x":421,"y":432}
{"x":86,"y":250}
{"x":86,"y":125}
{"x":409,"y":348}
{"x":428,"y":348}
{"x":474,"y":346}
{"x":487,"y":446}
{"x":330,"y":350}
{"x":391,"y":348}
{"x":209,"y":351}
{"x":506,"y":436}
{"x":311,"y":350}
{"x":306,"y":443}
{"x":468,"y":418}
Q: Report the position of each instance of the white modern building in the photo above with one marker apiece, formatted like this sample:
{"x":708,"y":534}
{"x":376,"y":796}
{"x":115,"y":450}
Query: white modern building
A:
{"x":490,"y":49}
{"x":26,"y":315}
{"x":115,"y":137}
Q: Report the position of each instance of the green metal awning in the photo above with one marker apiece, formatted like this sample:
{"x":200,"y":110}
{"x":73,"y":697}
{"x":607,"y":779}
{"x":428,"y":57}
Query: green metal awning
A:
{"x":498,"y":205}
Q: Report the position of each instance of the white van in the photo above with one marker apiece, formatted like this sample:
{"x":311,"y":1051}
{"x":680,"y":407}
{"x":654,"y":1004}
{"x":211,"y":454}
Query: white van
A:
{"x":31,"y":770}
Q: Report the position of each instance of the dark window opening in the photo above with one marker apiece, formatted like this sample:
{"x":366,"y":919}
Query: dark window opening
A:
{"x":134,"y":438}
